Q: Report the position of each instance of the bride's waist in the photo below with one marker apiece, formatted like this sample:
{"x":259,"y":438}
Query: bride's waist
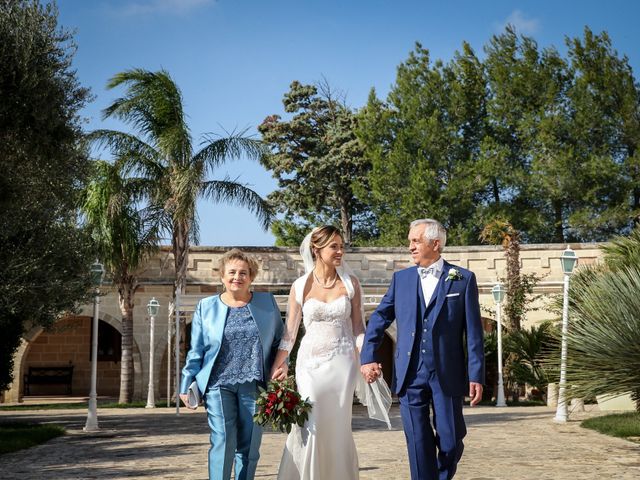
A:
{"x":329,"y":340}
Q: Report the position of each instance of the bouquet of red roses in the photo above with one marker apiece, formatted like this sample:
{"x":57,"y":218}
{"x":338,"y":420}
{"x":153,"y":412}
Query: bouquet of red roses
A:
{"x":281,"y":406}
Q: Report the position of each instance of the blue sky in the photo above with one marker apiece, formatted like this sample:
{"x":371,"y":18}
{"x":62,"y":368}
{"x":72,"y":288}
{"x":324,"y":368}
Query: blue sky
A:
{"x":234,"y":59}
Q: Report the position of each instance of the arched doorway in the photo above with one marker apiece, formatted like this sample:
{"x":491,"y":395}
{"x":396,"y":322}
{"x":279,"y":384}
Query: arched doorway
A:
{"x":68,"y":343}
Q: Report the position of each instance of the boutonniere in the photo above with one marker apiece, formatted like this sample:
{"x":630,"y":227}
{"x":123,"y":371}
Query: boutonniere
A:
{"x":453,"y":274}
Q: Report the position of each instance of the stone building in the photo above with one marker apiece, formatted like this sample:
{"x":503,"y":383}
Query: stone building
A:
{"x":68,"y":343}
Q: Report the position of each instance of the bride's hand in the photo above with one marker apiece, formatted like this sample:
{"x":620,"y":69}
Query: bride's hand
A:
{"x":279,"y":373}
{"x":371,"y":371}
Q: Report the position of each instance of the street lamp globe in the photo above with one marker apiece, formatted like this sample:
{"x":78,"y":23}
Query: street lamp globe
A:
{"x":569,"y":259}
{"x":498,"y":292}
{"x":153,"y":307}
{"x":97,"y":274}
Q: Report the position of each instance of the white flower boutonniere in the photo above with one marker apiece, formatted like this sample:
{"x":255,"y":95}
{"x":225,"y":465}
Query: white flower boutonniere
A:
{"x":453,"y":274}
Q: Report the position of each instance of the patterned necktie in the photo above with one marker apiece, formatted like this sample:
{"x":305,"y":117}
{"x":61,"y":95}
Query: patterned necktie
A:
{"x":423,"y":272}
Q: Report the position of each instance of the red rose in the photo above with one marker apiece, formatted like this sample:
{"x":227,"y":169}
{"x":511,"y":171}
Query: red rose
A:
{"x":272,"y":397}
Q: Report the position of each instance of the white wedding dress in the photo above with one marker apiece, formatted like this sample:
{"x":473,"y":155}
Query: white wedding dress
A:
{"x":327,"y":369}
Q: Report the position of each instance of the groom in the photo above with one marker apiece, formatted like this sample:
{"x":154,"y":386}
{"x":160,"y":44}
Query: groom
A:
{"x":436,"y":308}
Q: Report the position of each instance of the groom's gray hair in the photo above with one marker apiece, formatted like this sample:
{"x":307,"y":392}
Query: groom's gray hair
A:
{"x":433,"y":230}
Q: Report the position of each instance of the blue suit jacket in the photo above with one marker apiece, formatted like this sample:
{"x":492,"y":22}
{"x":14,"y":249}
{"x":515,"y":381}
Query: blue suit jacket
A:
{"x":455,"y":316}
{"x":207,"y":328}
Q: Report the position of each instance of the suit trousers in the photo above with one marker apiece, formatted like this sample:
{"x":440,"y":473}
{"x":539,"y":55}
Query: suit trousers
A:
{"x":234,"y":435}
{"x":434,"y":452}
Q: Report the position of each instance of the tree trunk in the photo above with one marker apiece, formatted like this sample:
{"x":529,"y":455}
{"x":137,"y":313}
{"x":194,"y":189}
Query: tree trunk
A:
{"x":496,"y":191}
{"x":180,"y":245}
{"x":346,"y":222}
{"x":126,"y":293}
{"x":511,"y":310}
{"x":559,"y":230}
{"x":636,"y":206}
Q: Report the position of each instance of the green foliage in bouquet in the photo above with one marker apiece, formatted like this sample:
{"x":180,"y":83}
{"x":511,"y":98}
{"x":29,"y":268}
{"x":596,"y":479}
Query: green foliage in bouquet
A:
{"x":281,"y":406}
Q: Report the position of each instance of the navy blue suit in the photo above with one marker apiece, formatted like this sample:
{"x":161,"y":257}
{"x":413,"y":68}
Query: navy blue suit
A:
{"x":430,"y":366}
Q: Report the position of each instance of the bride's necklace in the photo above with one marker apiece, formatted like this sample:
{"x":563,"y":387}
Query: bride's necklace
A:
{"x":317,"y":280}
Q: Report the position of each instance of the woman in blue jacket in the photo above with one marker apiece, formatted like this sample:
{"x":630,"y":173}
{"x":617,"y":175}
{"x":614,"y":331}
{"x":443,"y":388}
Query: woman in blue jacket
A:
{"x":234,"y":338}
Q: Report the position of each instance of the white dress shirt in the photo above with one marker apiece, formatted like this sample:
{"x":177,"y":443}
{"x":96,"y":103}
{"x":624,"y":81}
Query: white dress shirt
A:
{"x":430,"y":282}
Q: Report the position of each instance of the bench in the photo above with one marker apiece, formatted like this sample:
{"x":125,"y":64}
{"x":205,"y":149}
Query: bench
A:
{"x":48,"y":376}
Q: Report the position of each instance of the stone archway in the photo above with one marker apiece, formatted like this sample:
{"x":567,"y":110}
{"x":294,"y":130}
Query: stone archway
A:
{"x":68,"y":343}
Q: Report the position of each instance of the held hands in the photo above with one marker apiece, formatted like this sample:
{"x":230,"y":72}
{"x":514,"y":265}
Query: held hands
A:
{"x":371,"y":371}
{"x":280,"y":372}
{"x":475,"y":392}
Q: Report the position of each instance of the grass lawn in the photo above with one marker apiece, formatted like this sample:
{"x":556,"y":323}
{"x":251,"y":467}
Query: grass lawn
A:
{"x":16,"y":436}
{"x":624,"y":425}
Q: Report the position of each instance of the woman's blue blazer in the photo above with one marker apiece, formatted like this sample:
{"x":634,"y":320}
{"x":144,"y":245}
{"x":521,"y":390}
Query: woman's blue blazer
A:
{"x":207,"y":327}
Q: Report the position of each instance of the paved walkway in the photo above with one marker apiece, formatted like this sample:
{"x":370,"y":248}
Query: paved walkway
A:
{"x":510,"y":443}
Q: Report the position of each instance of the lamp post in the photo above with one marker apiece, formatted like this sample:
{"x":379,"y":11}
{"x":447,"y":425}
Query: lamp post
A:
{"x":568,"y":259}
{"x":152,"y":309}
{"x":498,"y":292}
{"x":97,"y":275}
{"x":177,"y":353}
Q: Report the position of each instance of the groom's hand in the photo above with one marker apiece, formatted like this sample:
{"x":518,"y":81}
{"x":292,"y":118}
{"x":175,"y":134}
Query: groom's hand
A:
{"x":371,"y":371}
{"x":475,"y":392}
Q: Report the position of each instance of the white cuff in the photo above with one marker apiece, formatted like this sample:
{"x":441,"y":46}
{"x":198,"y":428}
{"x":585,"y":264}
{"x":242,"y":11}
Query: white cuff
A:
{"x":286,"y":345}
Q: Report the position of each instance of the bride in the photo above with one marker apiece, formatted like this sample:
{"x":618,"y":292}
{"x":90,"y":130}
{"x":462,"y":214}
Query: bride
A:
{"x":329,"y":299}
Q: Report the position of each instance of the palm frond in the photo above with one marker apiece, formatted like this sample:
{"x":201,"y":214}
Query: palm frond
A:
{"x":216,"y":151}
{"x":623,"y":250}
{"x":528,"y":350}
{"x":228,"y":191}
{"x":152,"y":104}
{"x":135,"y":155}
{"x":121,"y":234}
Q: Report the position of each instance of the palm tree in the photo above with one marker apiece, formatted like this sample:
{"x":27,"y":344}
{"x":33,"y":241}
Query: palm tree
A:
{"x":501,"y":232}
{"x":163,"y":153}
{"x":603,"y":354}
{"x":123,"y":236}
{"x":527,"y":350}
{"x":623,"y":251}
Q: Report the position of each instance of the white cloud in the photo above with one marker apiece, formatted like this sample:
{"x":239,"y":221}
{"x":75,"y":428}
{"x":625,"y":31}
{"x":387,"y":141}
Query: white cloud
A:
{"x":163,"y":6}
{"x":523,"y":24}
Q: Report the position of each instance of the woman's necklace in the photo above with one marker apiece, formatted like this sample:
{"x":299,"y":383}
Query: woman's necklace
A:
{"x":317,"y":280}
{"x":235,"y":303}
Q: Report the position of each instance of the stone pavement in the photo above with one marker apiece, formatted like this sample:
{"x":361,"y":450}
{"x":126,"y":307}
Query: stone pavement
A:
{"x":515,"y":443}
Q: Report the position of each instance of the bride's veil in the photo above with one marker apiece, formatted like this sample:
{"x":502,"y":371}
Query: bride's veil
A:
{"x":375,"y":396}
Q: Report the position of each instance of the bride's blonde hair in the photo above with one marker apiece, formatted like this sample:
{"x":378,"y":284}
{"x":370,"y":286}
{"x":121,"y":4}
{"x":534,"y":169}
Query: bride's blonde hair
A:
{"x":321,"y":237}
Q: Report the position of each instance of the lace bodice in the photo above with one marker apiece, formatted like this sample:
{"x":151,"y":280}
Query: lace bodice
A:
{"x":328,"y":331}
{"x":330,"y":327}
{"x":337,"y":312}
